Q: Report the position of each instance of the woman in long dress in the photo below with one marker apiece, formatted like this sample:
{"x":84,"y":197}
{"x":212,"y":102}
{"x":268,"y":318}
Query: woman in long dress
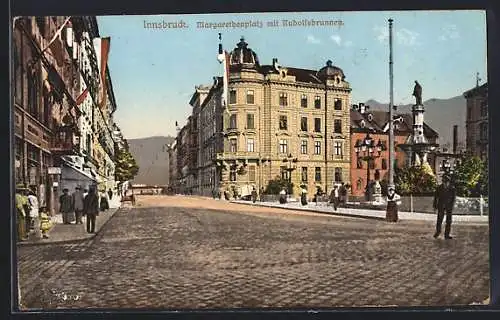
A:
{"x":393,"y":202}
{"x":34,"y":214}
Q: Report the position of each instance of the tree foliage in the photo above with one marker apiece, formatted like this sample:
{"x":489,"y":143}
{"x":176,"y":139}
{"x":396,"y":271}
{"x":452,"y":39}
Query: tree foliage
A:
{"x":414,"y":180}
{"x":470,"y":177}
{"x":126,"y":167}
{"x":277,"y":184}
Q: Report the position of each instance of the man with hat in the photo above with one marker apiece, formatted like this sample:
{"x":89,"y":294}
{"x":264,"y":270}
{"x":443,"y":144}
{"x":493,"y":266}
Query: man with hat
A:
{"x":78,"y":204}
{"x":66,"y":207}
{"x":21,"y":206}
{"x":444,"y":200}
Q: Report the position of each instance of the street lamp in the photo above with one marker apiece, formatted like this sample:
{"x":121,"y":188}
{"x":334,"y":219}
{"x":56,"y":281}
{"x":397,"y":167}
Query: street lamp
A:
{"x":367,"y":150}
{"x":291,"y":163}
{"x":447,"y":167}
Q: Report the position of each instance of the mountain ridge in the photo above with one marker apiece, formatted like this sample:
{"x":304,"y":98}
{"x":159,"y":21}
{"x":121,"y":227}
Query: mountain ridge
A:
{"x":440,"y":114}
{"x":151,"y":155}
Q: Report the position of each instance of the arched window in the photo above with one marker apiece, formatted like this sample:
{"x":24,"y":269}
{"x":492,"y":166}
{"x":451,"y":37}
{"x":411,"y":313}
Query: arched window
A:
{"x":359,"y":184}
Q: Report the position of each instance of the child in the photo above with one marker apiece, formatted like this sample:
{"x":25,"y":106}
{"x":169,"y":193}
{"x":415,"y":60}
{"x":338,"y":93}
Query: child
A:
{"x":45,"y":222}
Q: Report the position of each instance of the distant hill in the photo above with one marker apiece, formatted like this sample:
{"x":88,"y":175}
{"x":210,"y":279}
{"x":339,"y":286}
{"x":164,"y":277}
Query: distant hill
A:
{"x":151,"y":155}
{"x":440,"y":114}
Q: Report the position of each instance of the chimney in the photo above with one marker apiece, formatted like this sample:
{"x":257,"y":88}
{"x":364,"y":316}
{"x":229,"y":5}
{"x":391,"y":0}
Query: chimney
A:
{"x":362,"y":108}
{"x":455,"y":138}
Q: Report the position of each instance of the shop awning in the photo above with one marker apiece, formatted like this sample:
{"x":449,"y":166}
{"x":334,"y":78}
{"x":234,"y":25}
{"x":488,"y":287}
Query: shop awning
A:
{"x":72,"y":173}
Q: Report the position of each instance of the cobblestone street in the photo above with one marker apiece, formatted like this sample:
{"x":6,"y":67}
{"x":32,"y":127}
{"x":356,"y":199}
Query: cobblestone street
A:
{"x":188,"y":252}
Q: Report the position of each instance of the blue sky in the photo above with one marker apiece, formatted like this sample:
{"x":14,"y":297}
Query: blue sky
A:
{"x":154,"y":71}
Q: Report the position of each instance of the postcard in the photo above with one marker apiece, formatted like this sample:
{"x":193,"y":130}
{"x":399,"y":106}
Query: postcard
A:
{"x":260,"y":160}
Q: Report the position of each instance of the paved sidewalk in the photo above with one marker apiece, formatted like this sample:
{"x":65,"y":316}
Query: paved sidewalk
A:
{"x":363,"y":213}
{"x":65,"y":233}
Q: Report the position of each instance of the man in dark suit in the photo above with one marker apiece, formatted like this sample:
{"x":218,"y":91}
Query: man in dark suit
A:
{"x":444,"y":200}
{"x":91,"y":208}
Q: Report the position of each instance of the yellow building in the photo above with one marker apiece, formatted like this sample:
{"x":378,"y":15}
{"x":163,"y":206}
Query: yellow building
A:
{"x":280,"y":121}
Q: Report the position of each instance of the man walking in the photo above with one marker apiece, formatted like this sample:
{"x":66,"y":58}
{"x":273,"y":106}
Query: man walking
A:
{"x":334,"y":197}
{"x":66,"y":207}
{"x":444,"y":200}
{"x":91,"y":208}
{"x":78,"y":204}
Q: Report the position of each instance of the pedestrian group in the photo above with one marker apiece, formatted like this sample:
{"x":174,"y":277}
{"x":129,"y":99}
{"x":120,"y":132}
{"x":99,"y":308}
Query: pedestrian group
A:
{"x":73,"y":207}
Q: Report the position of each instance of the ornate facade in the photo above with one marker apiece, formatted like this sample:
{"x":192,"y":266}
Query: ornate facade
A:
{"x":54,"y":62}
{"x":279,"y":121}
{"x":376,"y":123}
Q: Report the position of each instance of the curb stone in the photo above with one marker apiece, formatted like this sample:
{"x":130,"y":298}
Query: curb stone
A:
{"x":314,"y":211}
{"x":78,"y":239}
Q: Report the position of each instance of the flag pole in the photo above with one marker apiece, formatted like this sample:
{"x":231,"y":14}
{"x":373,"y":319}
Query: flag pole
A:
{"x":391,"y":120}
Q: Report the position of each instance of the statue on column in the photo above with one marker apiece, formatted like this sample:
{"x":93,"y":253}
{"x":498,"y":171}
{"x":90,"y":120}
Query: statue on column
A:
{"x":417,"y":93}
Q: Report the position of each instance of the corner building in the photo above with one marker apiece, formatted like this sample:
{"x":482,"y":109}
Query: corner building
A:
{"x":280,"y":121}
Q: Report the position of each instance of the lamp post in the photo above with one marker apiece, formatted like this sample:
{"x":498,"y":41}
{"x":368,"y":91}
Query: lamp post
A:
{"x":447,"y":167}
{"x":291,"y":164}
{"x":368,"y":151}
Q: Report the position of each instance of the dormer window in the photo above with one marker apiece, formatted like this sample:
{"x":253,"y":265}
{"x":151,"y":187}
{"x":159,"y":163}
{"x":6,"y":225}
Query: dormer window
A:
{"x":370,"y":117}
{"x":362,"y":124}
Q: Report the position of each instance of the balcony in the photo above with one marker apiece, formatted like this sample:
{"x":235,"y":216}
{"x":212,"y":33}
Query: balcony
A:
{"x":66,"y":140}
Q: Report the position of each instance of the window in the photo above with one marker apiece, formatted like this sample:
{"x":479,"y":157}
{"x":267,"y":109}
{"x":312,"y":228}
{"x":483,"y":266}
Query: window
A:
{"x":337,"y":147}
{"x":359,"y":164}
{"x":317,"y":102}
{"x":283,"y":99}
{"x":232,"y":96}
{"x":233,"y":145}
{"x":317,"y":147}
{"x":250,"y":145}
{"x":359,"y":184}
{"x":317,"y":174}
{"x":303,"y":124}
{"x":32,"y":94}
{"x":284,"y":173}
{"x":317,"y":124}
{"x":338,"y":174}
{"x":283,"y":146}
{"x":283,"y":125}
{"x":250,"y":121}
{"x":484,"y":108}
{"x":337,"y":126}
{"x":469,"y":112}
{"x":483,"y":131}
{"x":251,"y":173}
{"x":88,"y":143}
{"x":371,"y":163}
{"x":40,"y":21}
{"x":46,"y":109}
{"x":250,"y":97}
{"x":338,"y":104}
{"x":384,"y":164}
{"x":233,"y":122}
{"x":17,"y":72}
{"x":303,"y":101}
{"x":304,"y":174}
{"x":303,"y":146}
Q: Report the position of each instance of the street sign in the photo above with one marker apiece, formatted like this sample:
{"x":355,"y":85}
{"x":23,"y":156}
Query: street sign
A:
{"x":54,"y":170}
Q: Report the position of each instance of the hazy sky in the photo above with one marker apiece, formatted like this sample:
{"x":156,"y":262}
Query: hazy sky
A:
{"x":154,"y":71}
